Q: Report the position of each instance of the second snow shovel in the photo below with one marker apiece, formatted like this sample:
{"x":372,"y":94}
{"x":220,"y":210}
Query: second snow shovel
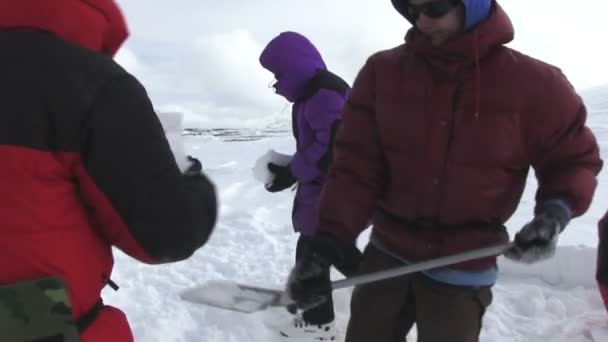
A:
{"x":248,"y":299}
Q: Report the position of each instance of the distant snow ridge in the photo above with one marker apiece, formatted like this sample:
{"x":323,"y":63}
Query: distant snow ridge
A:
{"x":596,"y":99}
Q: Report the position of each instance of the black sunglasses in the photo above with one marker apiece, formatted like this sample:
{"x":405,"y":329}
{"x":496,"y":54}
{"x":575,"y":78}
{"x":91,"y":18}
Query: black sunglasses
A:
{"x":434,"y":9}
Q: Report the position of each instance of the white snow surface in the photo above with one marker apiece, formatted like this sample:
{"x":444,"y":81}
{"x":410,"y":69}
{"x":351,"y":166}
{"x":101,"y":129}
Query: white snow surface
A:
{"x":254,"y":243}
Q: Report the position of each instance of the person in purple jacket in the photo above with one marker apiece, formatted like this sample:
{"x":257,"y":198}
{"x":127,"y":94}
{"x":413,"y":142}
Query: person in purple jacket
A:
{"x":317,"y":96}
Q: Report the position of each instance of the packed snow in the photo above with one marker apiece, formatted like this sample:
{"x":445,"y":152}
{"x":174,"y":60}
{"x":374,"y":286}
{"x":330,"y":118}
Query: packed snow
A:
{"x":253,"y":243}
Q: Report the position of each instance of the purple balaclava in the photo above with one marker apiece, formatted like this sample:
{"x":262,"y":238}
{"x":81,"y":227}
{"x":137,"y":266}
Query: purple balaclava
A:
{"x":293,"y":60}
{"x":475,"y":11}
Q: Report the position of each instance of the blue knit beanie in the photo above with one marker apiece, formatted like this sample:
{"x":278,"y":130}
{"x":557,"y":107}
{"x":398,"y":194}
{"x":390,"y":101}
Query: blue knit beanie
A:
{"x":476,"y":11}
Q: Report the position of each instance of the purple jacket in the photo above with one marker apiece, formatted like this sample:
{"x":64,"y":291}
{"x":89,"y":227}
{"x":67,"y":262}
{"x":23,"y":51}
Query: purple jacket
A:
{"x":294,"y":61}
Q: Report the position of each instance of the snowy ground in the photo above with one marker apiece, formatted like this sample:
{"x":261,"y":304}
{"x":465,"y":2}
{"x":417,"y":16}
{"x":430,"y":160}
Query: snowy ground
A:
{"x":254,"y":243}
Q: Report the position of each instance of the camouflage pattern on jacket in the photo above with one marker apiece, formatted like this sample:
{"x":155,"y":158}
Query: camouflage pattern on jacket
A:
{"x":36,"y":309}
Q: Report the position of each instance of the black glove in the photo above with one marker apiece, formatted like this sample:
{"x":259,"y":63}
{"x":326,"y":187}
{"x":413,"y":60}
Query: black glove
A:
{"x":601,"y":273}
{"x":309,"y":283}
{"x":195,"y":167}
{"x":537,"y":240}
{"x":283,"y":178}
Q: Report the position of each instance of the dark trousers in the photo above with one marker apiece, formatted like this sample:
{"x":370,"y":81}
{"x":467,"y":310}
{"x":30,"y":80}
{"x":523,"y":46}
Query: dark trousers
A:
{"x":323,"y":313}
{"x":386,"y":310}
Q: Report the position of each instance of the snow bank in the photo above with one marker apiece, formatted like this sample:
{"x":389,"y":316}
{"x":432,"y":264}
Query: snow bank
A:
{"x":571,"y":266}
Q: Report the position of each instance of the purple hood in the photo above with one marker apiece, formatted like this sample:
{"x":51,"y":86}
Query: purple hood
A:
{"x":293,"y":60}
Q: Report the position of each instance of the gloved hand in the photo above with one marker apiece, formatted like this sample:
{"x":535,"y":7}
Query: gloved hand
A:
{"x":195,"y":167}
{"x":309,"y":283}
{"x":283,"y":178}
{"x":537,"y":240}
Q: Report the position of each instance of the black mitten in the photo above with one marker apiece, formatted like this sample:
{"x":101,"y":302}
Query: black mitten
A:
{"x":602,"y":253}
{"x":283,"y":178}
{"x":537,"y":240}
{"x":309,"y":284}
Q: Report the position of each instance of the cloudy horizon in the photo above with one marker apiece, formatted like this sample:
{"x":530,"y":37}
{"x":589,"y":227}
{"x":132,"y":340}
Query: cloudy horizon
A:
{"x":201,"y":58}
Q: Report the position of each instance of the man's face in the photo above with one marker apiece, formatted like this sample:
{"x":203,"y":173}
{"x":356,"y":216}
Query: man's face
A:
{"x":432,"y":21}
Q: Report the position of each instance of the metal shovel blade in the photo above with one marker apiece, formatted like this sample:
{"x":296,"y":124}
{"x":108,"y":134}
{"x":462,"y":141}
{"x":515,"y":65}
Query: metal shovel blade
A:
{"x":236,"y":297}
{"x":248,"y":299}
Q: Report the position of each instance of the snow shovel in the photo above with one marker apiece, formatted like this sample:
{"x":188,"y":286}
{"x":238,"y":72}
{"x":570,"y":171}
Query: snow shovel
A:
{"x":248,"y":299}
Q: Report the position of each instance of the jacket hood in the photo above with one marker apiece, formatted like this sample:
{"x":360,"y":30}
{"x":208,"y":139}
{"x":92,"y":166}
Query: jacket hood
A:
{"x":466,"y":49}
{"x":493,"y":32}
{"x":293,"y":60}
{"x":93,"y":24}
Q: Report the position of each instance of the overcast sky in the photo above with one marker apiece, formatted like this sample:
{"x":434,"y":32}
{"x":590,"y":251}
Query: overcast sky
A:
{"x":201,"y":56}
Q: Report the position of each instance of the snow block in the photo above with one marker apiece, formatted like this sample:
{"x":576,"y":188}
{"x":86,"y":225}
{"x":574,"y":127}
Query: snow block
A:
{"x":172,"y":124}
{"x":260,"y":169}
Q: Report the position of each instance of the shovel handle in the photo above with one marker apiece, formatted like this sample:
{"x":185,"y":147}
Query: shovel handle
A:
{"x":422,"y":266}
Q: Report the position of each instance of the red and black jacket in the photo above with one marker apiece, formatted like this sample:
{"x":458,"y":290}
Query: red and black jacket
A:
{"x":85,"y":164}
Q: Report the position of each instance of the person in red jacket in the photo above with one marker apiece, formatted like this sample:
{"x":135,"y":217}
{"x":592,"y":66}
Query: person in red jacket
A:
{"x":436,"y":143}
{"x":602,"y":259}
{"x":85,"y":162}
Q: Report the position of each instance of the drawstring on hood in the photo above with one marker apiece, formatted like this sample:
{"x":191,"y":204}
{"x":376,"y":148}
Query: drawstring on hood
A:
{"x":493,"y":30}
{"x":477,"y":77}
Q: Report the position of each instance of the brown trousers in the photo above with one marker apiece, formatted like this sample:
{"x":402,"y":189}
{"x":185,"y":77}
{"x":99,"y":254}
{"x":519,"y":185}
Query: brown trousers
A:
{"x":386,"y":310}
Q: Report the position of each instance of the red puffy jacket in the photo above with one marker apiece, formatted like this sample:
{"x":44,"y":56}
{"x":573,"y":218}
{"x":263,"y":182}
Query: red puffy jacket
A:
{"x":85,"y":162}
{"x":437,"y":144}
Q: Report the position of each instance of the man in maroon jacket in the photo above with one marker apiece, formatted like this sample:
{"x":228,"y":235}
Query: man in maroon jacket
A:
{"x":85,"y":164}
{"x":437,"y":140}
